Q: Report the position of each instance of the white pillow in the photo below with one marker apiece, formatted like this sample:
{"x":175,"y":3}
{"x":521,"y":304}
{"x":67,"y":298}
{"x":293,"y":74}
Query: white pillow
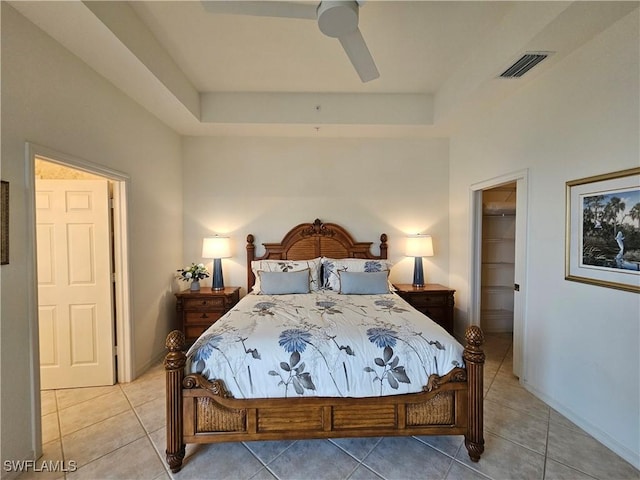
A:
{"x":331,"y":267}
{"x":288,"y":266}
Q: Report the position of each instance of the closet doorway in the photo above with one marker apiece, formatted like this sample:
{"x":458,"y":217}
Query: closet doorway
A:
{"x":498,"y":289}
{"x":498,"y":258}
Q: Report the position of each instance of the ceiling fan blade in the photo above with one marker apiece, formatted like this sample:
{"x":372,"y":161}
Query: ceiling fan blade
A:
{"x":263,"y":8}
{"x":357,"y":51}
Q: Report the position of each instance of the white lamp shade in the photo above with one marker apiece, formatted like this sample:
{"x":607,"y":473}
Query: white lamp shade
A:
{"x":419,"y":246}
{"x":216,"y":247}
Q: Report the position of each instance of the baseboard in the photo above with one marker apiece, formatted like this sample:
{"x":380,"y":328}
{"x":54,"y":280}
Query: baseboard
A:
{"x":612,"y":444}
{"x":154,"y":361}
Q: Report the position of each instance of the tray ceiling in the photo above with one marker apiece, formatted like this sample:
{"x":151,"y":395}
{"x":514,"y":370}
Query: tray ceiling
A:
{"x":219,"y":74}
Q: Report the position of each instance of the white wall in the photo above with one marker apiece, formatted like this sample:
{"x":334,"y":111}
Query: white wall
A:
{"x":51,"y":98}
{"x":265,"y":186}
{"x":578,"y":119}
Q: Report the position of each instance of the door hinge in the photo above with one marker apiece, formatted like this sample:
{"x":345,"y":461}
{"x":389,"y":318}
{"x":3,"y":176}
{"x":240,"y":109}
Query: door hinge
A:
{"x":115,"y":351}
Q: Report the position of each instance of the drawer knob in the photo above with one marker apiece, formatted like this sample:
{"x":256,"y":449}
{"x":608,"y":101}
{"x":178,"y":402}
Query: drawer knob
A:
{"x":204,"y":315}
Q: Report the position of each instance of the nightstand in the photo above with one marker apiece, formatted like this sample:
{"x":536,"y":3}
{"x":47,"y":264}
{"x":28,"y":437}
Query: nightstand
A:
{"x":434,"y":300}
{"x":198,"y":310}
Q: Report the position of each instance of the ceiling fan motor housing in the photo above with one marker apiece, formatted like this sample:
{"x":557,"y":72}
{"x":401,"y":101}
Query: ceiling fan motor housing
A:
{"x":337,"y":18}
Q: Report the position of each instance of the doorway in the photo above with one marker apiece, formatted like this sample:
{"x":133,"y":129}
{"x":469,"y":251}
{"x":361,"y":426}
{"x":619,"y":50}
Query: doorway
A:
{"x":498,"y":258}
{"x":498,"y":275}
{"x":120,"y":260}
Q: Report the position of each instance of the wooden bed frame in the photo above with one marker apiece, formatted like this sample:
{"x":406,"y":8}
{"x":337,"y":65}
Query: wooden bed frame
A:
{"x":200,"y":411}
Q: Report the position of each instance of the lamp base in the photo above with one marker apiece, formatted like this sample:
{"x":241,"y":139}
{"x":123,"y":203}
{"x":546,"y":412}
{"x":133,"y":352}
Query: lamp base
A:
{"x":218,"y":280}
{"x":418,"y":273}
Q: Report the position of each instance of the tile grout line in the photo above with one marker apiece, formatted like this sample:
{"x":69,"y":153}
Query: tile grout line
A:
{"x":446,"y":474}
{"x":83,"y":401}
{"x":546,"y":446}
{"x":523,"y":412}
{"x":571,"y":467}
{"x":64,"y":459}
{"x":264,"y":465}
{"x":147,"y":434}
{"x":61,"y":437}
{"x":361,"y":462}
{"x":103,"y":420}
{"x":91,"y":424}
{"x":494,"y":376}
{"x":367,"y":469}
{"x":470,"y":467}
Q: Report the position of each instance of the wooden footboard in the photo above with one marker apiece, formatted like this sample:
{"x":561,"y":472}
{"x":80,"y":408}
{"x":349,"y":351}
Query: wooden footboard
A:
{"x":200,"y":411}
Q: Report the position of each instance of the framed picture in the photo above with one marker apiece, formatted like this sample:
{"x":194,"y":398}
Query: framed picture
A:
{"x":603,"y":230}
{"x":4,"y":223}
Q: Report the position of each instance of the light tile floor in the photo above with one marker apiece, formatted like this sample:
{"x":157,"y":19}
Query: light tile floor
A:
{"x":118,"y":432}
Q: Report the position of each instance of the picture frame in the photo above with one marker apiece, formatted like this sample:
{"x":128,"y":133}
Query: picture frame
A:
{"x":603,"y":230}
{"x":4,"y":222}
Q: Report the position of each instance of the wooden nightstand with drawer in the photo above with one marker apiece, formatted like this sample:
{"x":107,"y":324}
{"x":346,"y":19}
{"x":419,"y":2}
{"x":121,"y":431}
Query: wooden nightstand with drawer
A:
{"x":434,"y":300}
{"x":198,"y":310}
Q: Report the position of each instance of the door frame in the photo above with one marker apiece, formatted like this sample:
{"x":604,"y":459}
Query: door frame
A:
{"x":122,"y":298}
{"x":520,"y":268}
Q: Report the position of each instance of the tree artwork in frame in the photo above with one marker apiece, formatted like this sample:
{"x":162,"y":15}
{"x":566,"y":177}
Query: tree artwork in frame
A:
{"x":4,"y":223}
{"x":603,"y":230}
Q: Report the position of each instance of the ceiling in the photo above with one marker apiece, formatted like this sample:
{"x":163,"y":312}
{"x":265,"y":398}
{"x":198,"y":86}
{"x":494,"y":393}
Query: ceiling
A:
{"x":219,"y":74}
{"x":416,"y":46}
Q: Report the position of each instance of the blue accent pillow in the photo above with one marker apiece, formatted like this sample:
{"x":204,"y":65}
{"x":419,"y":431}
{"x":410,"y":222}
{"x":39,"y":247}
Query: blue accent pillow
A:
{"x":283,"y":283}
{"x":364,"y":283}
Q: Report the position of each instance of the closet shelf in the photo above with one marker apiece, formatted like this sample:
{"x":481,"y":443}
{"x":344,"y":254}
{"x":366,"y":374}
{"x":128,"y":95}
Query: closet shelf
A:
{"x":498,"y":265}
{"x":497,"y":288}
{"x":499,"y":239}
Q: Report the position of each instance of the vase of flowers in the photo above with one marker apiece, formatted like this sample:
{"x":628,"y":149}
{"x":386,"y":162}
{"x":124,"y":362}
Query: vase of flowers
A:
{"x":193,"y":274}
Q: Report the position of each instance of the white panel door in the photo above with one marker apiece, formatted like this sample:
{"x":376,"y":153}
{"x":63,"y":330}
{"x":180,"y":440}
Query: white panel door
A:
{"x":74,"y":284}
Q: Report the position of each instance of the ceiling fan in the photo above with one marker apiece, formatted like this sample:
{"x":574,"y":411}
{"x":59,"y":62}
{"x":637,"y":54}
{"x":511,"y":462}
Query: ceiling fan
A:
{"x":337,"y":19}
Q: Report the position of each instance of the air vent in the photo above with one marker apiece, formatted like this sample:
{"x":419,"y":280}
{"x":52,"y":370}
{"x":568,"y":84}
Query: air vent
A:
{"x":524,"y":64}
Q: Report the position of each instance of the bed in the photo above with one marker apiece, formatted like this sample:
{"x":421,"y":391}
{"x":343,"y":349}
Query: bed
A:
{"x":311,"y":388}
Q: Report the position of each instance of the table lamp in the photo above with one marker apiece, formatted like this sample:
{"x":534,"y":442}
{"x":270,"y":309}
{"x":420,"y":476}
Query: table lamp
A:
{"x":419,"y":246}
{"x":217,"y":248}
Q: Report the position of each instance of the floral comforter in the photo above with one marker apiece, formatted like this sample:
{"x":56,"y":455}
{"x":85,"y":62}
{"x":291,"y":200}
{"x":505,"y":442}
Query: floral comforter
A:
{"x":323,"y":344}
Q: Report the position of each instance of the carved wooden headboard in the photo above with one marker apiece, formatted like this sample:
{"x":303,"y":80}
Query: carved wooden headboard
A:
{"x":312,"y":240}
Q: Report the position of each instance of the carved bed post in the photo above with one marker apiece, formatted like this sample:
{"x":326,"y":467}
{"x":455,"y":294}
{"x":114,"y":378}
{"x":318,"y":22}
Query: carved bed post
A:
{"x":174,"y":364}
{"x":251,"y":255}
{"x":383,"y":246}
{"x":474,"y":359}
